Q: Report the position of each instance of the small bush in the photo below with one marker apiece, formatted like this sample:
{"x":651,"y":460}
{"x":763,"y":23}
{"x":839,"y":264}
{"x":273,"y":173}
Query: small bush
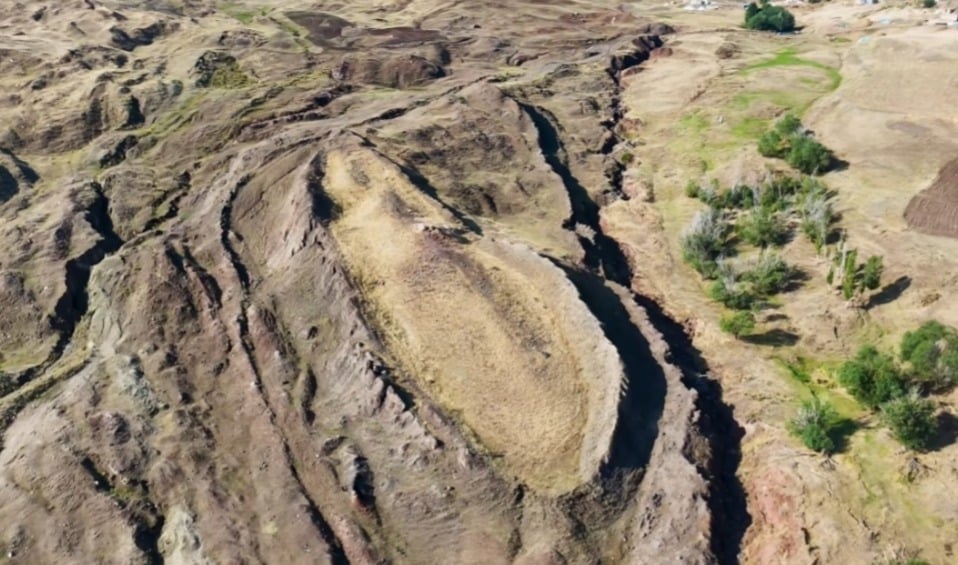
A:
{"x":770,"y":275}
{"x":871,"y":377}
{"x":871,"y":272}
{"x":912,"y":420}
{"x":739,"y":196}
{"x":816,"y":425}
{"x":692,"y":189}
{"x":931,"y":355}
{"x":738,"y":324}
{"x":779,"y":192}
{"x":762,"y":227}
{"x":929,"y":3}
{"x":773,"y":145}
{"x":817,"y":218}
{"x":704,"y":240}
{"x":732,"y":294}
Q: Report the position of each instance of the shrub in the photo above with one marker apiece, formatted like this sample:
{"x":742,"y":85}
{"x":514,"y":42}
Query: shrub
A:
{"x":768,"y":18}
{"x":912,"y":420}
{"x":931,"y":353}
{"x":816,"y":425}
{"x":739,"y":196}
{"x":871,"y":273}
{"x":704,"y":240}
{"x":817,"y":218}
{"x":871,"y":377}
{"x":762,"y":227}
{"x":732,"y":294}
{"x":775,"y":142}
{"x":808,"y":155}
{"x":692,"y":189}
{"x":773,"y":145}
{"x":929,"y":3}
{"x":770,"y":275}
{"x":738,"y":324}
{"x":788,"y":125}
{"x":788,"y":140}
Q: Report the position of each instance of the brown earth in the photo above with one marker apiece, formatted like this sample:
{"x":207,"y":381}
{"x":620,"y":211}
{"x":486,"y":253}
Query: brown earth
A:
{"x":935,"y":210}
{"x":344,"y":300}
{"x":376,"y":282}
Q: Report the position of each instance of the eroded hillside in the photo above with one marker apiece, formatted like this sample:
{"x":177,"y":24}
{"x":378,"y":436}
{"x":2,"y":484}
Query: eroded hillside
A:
{"x":328,"y":284}
{"x":389,"y":282}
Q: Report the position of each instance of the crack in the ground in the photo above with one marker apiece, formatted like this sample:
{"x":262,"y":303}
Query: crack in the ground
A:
{"x":144,"y":517}
{"x":603,"y":254}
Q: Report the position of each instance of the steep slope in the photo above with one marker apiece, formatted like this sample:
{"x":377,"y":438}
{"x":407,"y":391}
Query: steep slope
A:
{"x":329,"y":285}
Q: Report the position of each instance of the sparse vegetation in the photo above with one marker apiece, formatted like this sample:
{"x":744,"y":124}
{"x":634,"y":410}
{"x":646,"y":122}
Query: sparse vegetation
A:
{"x":912,"y":420}
{"x":738,"y":324}
{"x":704,"y":241}
{"x":816,"y":424}
{"x":817,"y":217}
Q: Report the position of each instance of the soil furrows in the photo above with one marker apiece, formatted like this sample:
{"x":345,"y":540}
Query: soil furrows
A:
{"x":357,"y":374}
{"x":73,"y":304}
{"x":334,"y":545}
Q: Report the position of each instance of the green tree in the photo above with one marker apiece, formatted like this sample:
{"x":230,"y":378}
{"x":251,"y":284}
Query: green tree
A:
{"x":871,"y":273}
{"x":816,"y":425}
{"x":807,"y":155}
{"x":931,"y":355}
{"x":871,"y":377}
{"x":770,"y":275}
{"x":738,"y":324}
{"x":912,"y":420}
{"x":768,"y":18}
{"x":773,"y":145}
{"x":762,"y":227}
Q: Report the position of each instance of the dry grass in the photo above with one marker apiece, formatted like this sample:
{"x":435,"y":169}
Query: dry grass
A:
{"x":493,"y":331}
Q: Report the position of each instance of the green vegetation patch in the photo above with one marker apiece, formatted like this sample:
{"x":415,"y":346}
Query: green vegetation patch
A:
{"x":787,"y":58}
{"x":242,"y":13}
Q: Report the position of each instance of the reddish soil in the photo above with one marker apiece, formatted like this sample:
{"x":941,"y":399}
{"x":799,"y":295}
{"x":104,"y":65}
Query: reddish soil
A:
{"x":935,"y":210}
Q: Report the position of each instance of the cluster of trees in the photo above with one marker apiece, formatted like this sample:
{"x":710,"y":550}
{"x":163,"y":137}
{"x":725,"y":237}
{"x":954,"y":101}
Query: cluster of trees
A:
{"x":852,"y":277}
{"x":761,"y":216}
{"x":897,"y":389}
{"x":766,"y":17}
{"x":789,"y":140}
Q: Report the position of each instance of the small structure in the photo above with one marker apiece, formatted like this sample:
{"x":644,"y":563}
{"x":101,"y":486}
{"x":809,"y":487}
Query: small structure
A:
{"x":700,"y":5}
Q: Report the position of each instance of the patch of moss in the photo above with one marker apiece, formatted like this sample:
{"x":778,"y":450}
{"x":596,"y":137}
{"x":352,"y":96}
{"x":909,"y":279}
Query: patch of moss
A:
{"x":229,"y":77}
